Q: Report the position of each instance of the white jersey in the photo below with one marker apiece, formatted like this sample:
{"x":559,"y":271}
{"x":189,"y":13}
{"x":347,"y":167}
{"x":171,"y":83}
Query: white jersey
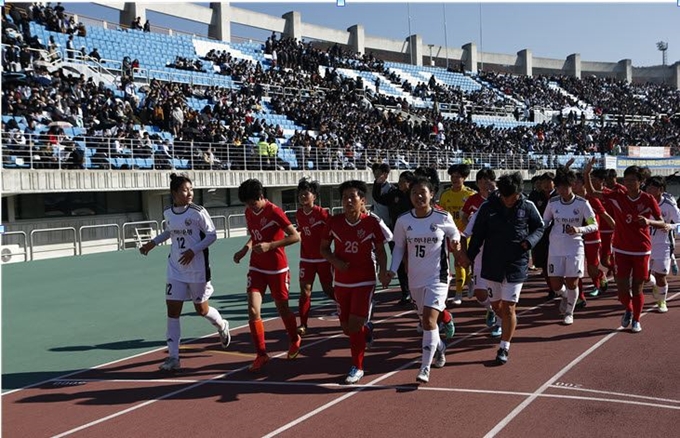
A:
{"x":661,"y":240}
{"x":192,"y":228}
{"x":424,"y":240}
{"x":575,"y":213}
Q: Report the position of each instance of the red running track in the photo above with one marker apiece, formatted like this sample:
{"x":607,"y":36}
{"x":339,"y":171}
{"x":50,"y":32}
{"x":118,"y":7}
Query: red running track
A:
{"x":588,"y":379}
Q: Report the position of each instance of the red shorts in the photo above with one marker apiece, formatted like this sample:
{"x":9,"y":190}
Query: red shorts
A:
{"x":635,"y":265}
{"x":279,"y":284}
{"x":354,"y":301}
{"x":309,"y":270}
{"x":606,"y":245}
{"x":592,"y":254}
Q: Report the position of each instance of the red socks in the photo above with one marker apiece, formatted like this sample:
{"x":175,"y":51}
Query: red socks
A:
{"x":357,"y":342}
{"x":291,"y":326}
{"x":257,"y":333}
{"x":446,"y":316}
{"x":624,"y":298}
{"x":304,"y":305}
{"x":638,"y":304}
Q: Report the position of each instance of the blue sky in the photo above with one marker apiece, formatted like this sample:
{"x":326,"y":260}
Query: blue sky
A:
{"x":598,"y":31}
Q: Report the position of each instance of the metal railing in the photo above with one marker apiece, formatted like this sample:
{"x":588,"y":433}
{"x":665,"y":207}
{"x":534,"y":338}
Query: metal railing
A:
{"x":51,"y":248}
{"x":98,"y":243}
{"x":129,"y":238}
{"x":33,"y":151}
{"x":6,"y":257}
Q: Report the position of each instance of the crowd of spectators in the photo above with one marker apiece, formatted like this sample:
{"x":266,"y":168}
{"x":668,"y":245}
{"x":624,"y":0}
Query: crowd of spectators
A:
{"x":345,"y":126}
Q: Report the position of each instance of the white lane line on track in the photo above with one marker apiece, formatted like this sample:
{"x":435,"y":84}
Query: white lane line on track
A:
{"x":371,"y":384}
{"x":515,"y":412}
{"x":619,"y":394}
{"x":200,"y":383}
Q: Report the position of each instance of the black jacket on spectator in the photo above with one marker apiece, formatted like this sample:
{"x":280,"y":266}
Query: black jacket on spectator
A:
{"x":397,"y":202}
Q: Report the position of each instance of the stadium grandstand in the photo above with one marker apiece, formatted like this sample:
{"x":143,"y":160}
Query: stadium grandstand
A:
{"x":95,"y":114}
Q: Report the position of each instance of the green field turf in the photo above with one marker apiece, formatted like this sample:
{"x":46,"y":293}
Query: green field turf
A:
{"x":70,"y":313}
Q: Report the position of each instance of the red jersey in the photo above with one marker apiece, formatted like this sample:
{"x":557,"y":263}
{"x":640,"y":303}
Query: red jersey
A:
{"x":267,"y":225}
{"x":598,"y":209}
{"x":353,"y":243}
{"x":604,"y":226}
{"x":629,"y":236}
{"x":310,"y":226}
{"x":473,"y":203}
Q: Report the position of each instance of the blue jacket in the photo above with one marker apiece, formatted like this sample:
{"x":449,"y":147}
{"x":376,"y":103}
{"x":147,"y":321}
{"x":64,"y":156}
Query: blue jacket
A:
{"x":502,"y":230}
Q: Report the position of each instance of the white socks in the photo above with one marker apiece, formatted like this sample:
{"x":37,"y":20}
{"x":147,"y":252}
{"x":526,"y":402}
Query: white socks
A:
{"x":172,"y":336}
{"x":572,"y":296}
{"x":430,"y":343}
{"x":214,"y":317}
{"x":506,"y":345}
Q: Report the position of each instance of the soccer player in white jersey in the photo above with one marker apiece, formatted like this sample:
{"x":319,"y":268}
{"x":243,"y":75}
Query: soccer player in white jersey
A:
{"x":662,"y":241}
{"x":188,"y":274}
{"x":572,"y":217}
{"x":421,"y":235}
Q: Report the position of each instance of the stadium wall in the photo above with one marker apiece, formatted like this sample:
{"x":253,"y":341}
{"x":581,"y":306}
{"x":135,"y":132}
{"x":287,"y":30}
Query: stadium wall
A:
{"x":217,"y":14}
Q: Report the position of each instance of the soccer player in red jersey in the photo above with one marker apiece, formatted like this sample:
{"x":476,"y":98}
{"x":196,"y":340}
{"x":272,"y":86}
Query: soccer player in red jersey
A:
{"x":311,"y":220}
{"x":634,"y":212}
{"x":592,"y":241}
{"x":605,"y":181}
{"x":355,"y":235}
{"x":270,"y":231}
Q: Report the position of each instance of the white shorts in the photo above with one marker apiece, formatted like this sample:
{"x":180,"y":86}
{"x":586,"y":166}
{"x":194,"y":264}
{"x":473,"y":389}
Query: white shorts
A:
{"x":503,"y":291}
{"x":566,"y":266}
{"x":433,"y":296}
{"x":477,"y":279}
{"x":661,"y":265}
{"x":176,"y":290}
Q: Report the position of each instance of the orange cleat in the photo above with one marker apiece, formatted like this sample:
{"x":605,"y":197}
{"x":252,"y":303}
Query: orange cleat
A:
{"x":258,"y":363}
{"x":294,"y":349}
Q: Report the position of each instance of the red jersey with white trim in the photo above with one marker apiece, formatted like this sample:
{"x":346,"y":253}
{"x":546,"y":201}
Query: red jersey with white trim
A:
{"x":267,"y":225}
{"x":472,"y":204}
{"x":310,"y":226}
{"x":629,"y":236}
{"x":353,"y":244}
{"x":599,"y":209}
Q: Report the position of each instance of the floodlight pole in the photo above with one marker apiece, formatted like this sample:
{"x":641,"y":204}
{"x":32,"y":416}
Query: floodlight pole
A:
{"x":446,"y":40}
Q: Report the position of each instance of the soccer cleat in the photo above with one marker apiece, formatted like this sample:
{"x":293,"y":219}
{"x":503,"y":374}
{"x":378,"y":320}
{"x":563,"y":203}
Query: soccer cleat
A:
{"x":594,"y":293}
{"x":302,"y":330}
{"x":674,"y":267}
{"x":636,"y":328}
{"x":294,"y":348}
{"x":502,"y":356}
{"x":354,"y":375}
{"x":405,"y":300}
{"x":170,"y":364}
{"x":423,"y":375}
{"x":551,"y":295}
{"x":458,"y":299}
{"x":626,"y":318}
{"x":369,"y":335}
{"x":581,"y":304}
{"x":604,"y":284}
{"x":439,"y":358}
{"x":662,"y":306}
{"x":225,"y":336}
{"x":449,"y":329}
{"x":258,"y":363}
{"x":568,"y":320}
{"x":490,"y":318}
{"x":497,"y":331}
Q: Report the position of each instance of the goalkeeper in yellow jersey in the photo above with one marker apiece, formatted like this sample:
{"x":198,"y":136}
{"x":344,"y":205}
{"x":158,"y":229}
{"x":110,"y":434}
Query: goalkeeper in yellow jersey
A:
{"x":453,"y":200}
